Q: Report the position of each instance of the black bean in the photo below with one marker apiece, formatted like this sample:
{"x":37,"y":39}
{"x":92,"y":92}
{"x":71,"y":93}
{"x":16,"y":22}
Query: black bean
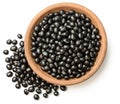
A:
{"x":55,"y":88}
{"x":56,"y":93}
{"x":66,"y":77}
{"x":14,"y":42}
{"x":57,"y":24}
{"x":16,"y":57}
{"x":37,"y":60}
{"x":63,"y":88}
{"x":14,"y":79}
{"x":19,"y":79}
{"x":34,"y":54}
{"x":19,"y":36}
{"x":38,"y":91}
{"x":61,"y":11}
{"x":72,"y":24}
{"x":82,"y":16}
{"x":64,"y":34}
{"x":82,"y":73}
{"x":21,"y":43}
{"x":19,"y":71}
{"x":78,"y":42}
{"x":71,"y":12}
{"x":24,"y":84}
{"x":66,"y":47}
{"x":78,"y":75}
{"x":9,"y":41}
{"x":72,"y":37}
{"x":37,"y":28}
{"x":57,"y":18}
{"x":26,"y":92}
{"x":31,"y":89}
{"x":29,"y":81}
{"x":48,"y":91}
{"x":45,"y":95}
{"x":13,"y":48}
{"x":55,"y":30}
{"x":6,"y":52}
{"x":98,"y":37}
{"x":9,"y":74}
{"x":98,"y":44}
{"x":80,"y":36}
{"x":36,"y":97}
{"x":24,"y":76}
{"x":45,"y":53}
{"x":7,"y":59}
{"x":91,"y":63}
{"x":18,"y":86}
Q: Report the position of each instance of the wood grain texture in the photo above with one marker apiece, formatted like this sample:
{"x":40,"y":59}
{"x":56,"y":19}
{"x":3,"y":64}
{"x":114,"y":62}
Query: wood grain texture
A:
{"x":54,"y":8}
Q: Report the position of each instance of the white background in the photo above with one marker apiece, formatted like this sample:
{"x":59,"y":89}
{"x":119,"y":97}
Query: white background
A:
{"x":102,"y":88}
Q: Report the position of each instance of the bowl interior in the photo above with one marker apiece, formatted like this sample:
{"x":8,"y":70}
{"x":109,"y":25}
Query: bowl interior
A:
{"x":54,"y":8}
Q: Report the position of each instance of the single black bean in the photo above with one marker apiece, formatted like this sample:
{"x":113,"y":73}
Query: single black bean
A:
{"x":31,"y":89}
{"x":19,"y":36}
{"x":21,"y":43}
{"x":56,"y":93}
{"x":6,"y":52}
{"x":14,"y":42}
{"x":55,"y":87}
{"x":38,"y":91}
{"x":37,"y":28}
{"x":14,"y":79}
{"x":7,"y":59}
{"x":13,"y":48}
{"x":9,"y":41}
{"x":9,"y":74}
{"x":18,"y":86}
{"x":36,"y":97}
{"x":45,"y":95}
{"x":24,"y":84}
{"x":48,"y":91}
{"x":26,"y":92}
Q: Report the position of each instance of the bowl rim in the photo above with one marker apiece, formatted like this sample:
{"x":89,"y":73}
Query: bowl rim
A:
{"x":79,"y":8}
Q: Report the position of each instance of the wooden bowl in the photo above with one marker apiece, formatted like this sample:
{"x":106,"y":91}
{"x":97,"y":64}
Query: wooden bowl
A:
{"x":65,"y":6}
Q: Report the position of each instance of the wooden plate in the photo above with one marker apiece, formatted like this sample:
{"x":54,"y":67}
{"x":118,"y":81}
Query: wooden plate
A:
{"x":65,"y":6}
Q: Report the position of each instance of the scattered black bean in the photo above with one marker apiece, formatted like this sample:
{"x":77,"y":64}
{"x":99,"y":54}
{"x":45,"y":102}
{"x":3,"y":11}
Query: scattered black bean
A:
{"x":63,"y":88}
{"x":38,"y":91}
{"x":31,"y":89}
{"x":9,"y":74}
{"x":24,"y":84}
{"x":19,"y":36}
{"x":6,"y":52}
{"x":48,"y":91}
{"x":55,"y":87}
{"x":14,"y":42}
{"x":7,"y":59}
{"x":18,"y":86}
{"x":36,"y":97}
{"x":56,"y":93}
{"x":13,"y":48}
{"x":45,"y":95}
{"x":9,"y":66}
{"x":22,"y":43}
{"x":9,"y":41}
{"x":26,"y":92}
{"x":14,"y":79}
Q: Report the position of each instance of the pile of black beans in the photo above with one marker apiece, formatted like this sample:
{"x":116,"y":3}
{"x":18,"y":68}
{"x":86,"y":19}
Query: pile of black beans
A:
{"x":23,"y":75}
{"x":65,"y":44}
